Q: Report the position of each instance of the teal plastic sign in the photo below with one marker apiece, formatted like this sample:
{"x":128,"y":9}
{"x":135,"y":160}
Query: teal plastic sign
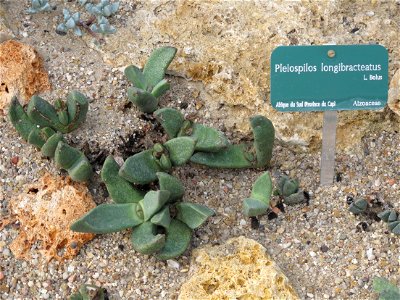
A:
{"x":336,"y":77}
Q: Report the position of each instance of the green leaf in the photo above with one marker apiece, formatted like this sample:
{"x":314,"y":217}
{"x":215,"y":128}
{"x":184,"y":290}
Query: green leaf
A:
{"x":140,"y":168}
{"x":170,"y":119}
{"x":386,"y":289}
{"x":162,"y":218}
{"x":157,"y":64}
{"x":145,"y":101}
{"x":262,"y":188}
{"x":254,"y":207}
{"x":81,"y":170}
{"x":120,"y":190}
{"x":193,"y":214}
{"x":384,"y":216}
{"x":232,"y":157}
{"x":392,"y":225}
{"x":77,"y":107}
{"x":152,"y":203}
{"x":135,"y":75}
{"x":177,"y":241}
{"x":172,"y":184}
{"x":145,"y":239}
{"x":208,"y":139}
{"x":264,"y":136}
{"x":160,"y":88}
{"x":20,"y":119}
{"x":296,"y":198}
{"x":36,"y":139}
{"x":49,"y":148}
{"x":180,"y":150}
{"x":43,"y":113}
{"x":107,"y":218}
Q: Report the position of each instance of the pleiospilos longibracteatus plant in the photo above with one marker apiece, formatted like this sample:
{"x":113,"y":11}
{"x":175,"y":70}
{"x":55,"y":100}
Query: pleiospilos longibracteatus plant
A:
{"x":260,"y":197}
{"x":149,"y":84}
{"x":392,"y":219}
{"x":84,"y":294}
{"x":385,"y":289}
{"x":162,"y":224}
{"x":43,"y":124}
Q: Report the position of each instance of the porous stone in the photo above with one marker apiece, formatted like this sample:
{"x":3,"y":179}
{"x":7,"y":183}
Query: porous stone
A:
{"x":22,"y":72}
{"x":394,"y":93}
{"x":46,"y":210}
{"x":238,"y":269}
{"x":226,"y":46}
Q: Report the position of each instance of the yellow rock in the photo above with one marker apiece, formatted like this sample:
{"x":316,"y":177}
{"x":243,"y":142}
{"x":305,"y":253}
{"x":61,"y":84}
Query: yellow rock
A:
{"x":45,"y":211}
{"x":239,"y":269}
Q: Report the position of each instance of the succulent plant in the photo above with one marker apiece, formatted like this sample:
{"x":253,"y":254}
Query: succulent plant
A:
{"x":207,"y":139}
{"x":84,"y":294}
{"x":392,"y":218}
{"x":149,"y":84}
{"x":244,"y":155}
{"x":103,"y":26}
{"x":358,"y":206}
{"x":288,"y":189}
{"x":63,"y":116}
{"x":41,"y":132}
{"x":386,"y":289}
{"x":103,"y":9}
{"x":39,"y":6}
{"x":162,"y":225}
{"x":142,"y":167}
{"x":71,"y":22}
{"x":260,"y":196}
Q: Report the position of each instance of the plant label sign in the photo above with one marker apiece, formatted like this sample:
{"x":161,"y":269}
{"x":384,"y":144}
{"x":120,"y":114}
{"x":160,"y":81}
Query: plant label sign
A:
{"x":331,"y":77}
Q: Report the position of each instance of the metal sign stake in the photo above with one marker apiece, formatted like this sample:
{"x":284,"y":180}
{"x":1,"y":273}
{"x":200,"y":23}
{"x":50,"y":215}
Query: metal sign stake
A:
{"x":328,"y":147}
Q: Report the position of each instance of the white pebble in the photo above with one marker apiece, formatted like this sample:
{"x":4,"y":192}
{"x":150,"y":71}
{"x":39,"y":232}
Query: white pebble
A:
{"x":242,"y":222}
{"x":173,"y":264}
{"x":312,"y":254}
{"x":370,"y":254}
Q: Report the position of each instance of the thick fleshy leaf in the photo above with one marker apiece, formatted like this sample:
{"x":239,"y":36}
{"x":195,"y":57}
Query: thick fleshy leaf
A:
{"x":262,"y":188}
{"x":287,"y":186}
{"x":160,"y":88}
{"x":36,"y":139}
{"x":145,"y":101}
{"x":208,"y":139}
{"x":172,"y":184}
{"x":264,"y":136}
{"x":43,"y":113}
{"x":107,"y":218}
{"x":392,"y":216}
{"x":140,"y":168}
{"x":145,"y":239}
{"x":153,"y":202}
{"x":162,"y":218}
{"x":135,"y":75}
{"x":77,"y":107}
{"x":49,"y":148}
{"x":297,"y":198}
{"x":81,"y":170}
{"x":170,"y":119}
{"x":358,"y":207}
{"x":120,"y":190}
{"x":180,"y":150}
{"x":157,"y":64}
{"x":393,"y":225}
{"x":193,"y":214}
{"x":20,"y":119}
{"x":396,"y":229}
{"x":233,"y":157}
{"x":254,"y":207}
{"x":384,"y":216}
{"x":177,"y":241}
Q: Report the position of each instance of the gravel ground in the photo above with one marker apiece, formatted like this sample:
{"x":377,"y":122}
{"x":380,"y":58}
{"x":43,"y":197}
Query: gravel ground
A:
{"x":326,"y":252}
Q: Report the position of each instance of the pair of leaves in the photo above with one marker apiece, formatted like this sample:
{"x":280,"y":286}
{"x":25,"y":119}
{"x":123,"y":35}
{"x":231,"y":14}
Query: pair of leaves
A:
{"x":150,"y":84}
{"x":258,"y":203}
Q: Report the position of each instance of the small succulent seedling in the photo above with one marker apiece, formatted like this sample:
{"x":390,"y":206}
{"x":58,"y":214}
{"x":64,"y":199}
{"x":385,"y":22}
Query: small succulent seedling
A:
{"x":161,"y":224}
{"x":103,"y":9}
{"x":71,"y":22}
{"x":358,"y":206}
{"x":243,"y":155}
{"x":392,"y":219}
{"x":38,"y":129}
{"x":207,"y":139}
{"x":385,"y":289}
{"x":149,"y":84}
{"x":258,"y":203}
{"x":84,"y":294}
{"x":142,"y":167}
{"x":63,"y":116}
{"x":288,"y":189}
{"x":39,"y":6}
{"x":103,"y":26}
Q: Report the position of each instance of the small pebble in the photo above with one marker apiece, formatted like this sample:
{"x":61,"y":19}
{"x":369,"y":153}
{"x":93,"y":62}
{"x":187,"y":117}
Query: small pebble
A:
{"x":173,"y":264}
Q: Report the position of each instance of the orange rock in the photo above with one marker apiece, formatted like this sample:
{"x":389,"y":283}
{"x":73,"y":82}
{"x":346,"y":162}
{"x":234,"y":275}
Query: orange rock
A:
{"x":45,"y":211}
{"x":22,"y":73}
